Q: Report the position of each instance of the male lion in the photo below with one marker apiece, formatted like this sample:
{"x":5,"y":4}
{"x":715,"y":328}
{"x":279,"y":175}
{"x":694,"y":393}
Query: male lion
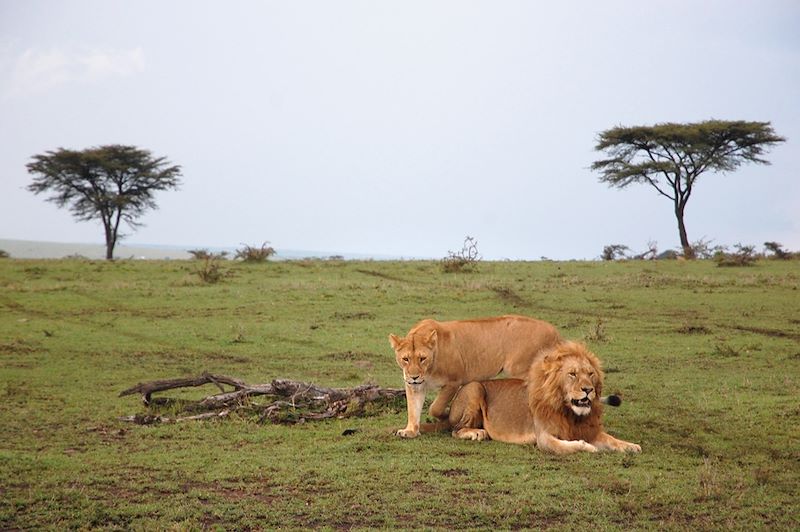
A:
{"x":558,"y":408}
{"x":443,"y":355}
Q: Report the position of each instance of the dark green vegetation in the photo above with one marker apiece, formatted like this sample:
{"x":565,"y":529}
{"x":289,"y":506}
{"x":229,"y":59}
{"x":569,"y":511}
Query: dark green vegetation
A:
{"x":671,"y":157}
{"x":707,"y":360}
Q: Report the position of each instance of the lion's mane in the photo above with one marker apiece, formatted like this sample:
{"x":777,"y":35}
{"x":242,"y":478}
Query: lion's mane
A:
{"x":546,"y":397}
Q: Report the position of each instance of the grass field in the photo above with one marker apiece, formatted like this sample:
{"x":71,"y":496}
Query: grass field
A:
{"x":707,"y":360}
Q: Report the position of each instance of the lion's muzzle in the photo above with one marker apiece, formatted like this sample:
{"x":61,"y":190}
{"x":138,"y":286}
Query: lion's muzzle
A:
{"x":582,"y":406}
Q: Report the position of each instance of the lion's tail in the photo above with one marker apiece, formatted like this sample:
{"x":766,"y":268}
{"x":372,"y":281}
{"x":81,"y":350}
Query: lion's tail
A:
{"x":611,"y":400}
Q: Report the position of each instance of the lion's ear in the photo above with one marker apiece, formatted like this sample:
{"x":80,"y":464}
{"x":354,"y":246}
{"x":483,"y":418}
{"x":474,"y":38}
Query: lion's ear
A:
{"x":395,"y":341}
{"x":430,"y":341}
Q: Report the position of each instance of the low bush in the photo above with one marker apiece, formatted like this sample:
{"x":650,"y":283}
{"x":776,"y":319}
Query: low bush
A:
{"x":776,"y":251}
{"x":743,"y":256}
{"x":465,"y":260}
{"x":210,"y":272}
{"x":255,"y":254}
{"x":204,"y":254}
{"x":614,"y":252}
{"x":703,"y":249}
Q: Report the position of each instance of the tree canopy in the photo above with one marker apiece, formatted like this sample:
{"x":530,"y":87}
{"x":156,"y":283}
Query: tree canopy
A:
{"x":114,"y":183}
{"x":671,"y":157}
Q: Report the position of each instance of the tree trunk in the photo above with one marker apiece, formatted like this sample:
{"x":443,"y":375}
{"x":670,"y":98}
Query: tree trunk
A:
{"x":688,"y":252}
{"x":111,"y":239}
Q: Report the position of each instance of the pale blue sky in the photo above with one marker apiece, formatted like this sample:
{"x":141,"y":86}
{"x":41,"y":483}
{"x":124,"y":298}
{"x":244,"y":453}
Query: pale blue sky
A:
{"x":397,"y":128}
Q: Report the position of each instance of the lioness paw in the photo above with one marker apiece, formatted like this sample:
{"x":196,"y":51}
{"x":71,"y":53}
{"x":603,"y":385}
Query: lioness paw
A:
{"x":407,"y":433}
{"x":633,"y":448}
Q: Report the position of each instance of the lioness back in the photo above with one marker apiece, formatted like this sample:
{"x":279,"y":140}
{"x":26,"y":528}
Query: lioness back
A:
{"x":480,"y":349}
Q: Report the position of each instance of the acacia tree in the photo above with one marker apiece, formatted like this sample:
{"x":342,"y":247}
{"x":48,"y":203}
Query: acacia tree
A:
{"x":670,"y":157}
{"x":112,"y":183}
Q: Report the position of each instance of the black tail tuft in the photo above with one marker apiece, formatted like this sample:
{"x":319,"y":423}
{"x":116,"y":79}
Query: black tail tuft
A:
{"x":612,"y":400}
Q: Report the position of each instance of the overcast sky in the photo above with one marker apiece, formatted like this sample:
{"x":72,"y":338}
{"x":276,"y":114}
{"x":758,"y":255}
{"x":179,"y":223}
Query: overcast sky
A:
{"x":397,"y":128}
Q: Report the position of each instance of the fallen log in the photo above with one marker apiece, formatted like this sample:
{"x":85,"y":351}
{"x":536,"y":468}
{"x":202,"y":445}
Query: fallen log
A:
{"x":288,"y":401}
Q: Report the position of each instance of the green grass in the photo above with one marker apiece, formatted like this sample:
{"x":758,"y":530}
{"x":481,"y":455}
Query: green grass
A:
{"x":707,"y":360}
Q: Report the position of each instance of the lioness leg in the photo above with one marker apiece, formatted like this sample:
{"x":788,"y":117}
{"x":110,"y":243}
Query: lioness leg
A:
{"x":415,"y":398}
{"x":466,"y":412}
{"x":607,"y":442}
{"x":439,"y":406}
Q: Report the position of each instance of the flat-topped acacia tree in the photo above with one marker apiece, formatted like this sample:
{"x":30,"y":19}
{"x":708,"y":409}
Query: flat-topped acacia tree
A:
{"x":112,"y":183}
{"x":670,"y":157}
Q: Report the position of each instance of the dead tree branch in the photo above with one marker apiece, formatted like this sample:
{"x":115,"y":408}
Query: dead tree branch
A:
{"x":288,"y":401}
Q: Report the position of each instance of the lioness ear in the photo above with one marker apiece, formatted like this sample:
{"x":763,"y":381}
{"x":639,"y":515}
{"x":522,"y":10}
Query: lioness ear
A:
{"x":431,"y":340}
{"x":395,"y":341}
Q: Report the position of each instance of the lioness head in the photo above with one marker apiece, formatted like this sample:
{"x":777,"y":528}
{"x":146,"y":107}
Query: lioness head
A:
{"x":569,"y":377}
{"x":415,"y":355}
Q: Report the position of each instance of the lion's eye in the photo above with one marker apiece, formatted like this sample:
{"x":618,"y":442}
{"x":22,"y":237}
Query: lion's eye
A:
{"x":405,"y":359}
{"x":573,"y":374}
{"x":423,"y":359}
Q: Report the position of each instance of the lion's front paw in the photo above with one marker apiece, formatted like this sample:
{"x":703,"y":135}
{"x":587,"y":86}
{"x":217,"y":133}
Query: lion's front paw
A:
{"x":407,"y":433}
{"x":588,"y":447}
{"x":632,"y":448}
{"x":478,"y":435}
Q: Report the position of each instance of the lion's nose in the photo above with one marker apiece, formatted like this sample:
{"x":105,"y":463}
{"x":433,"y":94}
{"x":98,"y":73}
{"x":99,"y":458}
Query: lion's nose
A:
{"x":414,"y":377}
{"x":587,"y":390}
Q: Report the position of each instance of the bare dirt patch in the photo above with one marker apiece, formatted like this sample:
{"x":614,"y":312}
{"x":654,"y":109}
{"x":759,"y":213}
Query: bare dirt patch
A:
{"x":455,"y":472}
{"x":773,"y":333}
{"x":693,"y":329}
{"x":507,"y":295}
{"x":354,"y":315}
{"x":383,"y":276}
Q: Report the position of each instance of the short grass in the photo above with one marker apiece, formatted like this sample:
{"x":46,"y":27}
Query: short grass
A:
{"x":707,"y":360}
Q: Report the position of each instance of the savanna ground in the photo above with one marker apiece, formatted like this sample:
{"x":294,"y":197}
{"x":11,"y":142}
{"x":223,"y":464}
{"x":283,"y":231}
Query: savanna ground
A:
{"x":707,"y":360}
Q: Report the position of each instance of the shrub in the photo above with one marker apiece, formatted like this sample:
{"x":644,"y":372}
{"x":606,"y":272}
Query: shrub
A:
{"x":210,"y":272}
{"x":4,"y":254}
{"x":743,"y":256}
{"x":777,"y":251}
{"x":462,"y":261}
{"x":255,"y":254}
{"x":650,"y":254}
{"x":204,"y":254}
{"x":597,"y":333}
{"x":703,"y":249}
{"x":669,"y":254}
{"x":614,"y":252}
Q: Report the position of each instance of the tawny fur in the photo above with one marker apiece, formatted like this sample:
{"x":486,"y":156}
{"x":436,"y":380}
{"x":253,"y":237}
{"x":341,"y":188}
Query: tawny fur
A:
{"x":442,"y":356}
{"x":541,"y":410}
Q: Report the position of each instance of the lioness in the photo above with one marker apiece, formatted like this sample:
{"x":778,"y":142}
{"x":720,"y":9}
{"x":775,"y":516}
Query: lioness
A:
{"x":443,"y":355}
{"x":558,"y":408}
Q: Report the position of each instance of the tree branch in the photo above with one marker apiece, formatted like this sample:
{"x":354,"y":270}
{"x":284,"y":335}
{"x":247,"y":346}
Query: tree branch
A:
{"x":289,"y":400}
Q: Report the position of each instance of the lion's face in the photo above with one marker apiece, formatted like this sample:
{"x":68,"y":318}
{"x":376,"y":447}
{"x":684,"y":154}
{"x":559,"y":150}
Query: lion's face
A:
{"x":569,"y":377}
{"x":579,"y":383}
{"x":415,"y":355}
